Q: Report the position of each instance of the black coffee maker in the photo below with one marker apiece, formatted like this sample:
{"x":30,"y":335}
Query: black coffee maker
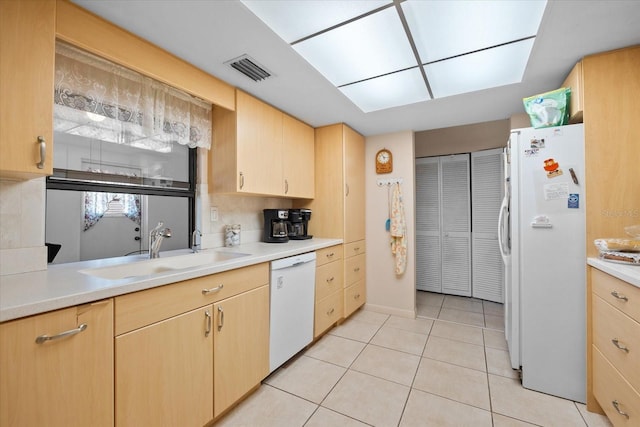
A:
{"x":275,"y":225}
{"x":298,"y":225}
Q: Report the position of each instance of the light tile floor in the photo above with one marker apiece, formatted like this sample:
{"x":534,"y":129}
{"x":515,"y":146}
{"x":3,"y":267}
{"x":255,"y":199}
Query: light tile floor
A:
{"x":448,"y":367}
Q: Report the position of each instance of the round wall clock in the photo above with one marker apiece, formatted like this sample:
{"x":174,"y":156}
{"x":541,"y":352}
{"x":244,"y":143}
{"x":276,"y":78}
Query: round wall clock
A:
{"x":384,"y":161}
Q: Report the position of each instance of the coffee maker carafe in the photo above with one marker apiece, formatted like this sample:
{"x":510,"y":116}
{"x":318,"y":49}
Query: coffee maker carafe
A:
{"x":275,"y":225}
{"x":298,"y":226}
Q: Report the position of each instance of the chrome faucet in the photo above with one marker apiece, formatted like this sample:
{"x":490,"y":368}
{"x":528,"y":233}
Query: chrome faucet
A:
{"x":155,"y":239}
{"x":194,"y":246}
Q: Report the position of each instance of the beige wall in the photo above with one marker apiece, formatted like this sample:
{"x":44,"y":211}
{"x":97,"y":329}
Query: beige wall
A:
{"x":462,"y":139}
{"x":387,"y":292}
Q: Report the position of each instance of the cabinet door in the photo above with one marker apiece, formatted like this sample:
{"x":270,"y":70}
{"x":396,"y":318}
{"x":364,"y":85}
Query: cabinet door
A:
{"x":241,"y":343}
{"x":27,"y":49}
{"x":354,"y":223}
{"x":164,"y":372}
{"x":65,"y":381}
{"x":298,"y":158}
{"x":259,"y":146}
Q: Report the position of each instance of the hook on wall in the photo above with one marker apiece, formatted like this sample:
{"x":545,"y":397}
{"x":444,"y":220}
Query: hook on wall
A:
{"x":389,"y":181}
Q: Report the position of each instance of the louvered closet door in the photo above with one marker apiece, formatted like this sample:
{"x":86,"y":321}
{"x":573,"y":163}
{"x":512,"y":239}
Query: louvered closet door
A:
{"x":428,"y":253}
{"x":456,"y":224}
{"x":487,"y":191}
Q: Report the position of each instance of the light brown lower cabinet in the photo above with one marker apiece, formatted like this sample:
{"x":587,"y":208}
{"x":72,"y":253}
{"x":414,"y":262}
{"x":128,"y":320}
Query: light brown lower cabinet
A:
{"x":241,"y":346}
{"x":614,"y":344}
{"x":188,"y":351}
{"x":164,"y":372}
{"x":56,"y":368}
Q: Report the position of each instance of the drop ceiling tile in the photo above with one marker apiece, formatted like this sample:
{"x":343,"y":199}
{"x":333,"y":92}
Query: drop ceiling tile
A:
{"x":293,"y":20}
{"x":482,"y":70}
{"x":442,"y":29}
{"x":366,"y":48}
{"x":393,"y":90}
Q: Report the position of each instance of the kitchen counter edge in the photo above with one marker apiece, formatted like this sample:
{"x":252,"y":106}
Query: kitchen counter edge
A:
{"x":63,"y":285}
{"x":627,"y":273}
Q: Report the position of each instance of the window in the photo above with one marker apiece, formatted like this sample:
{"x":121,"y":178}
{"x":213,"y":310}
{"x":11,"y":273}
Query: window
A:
{"x":124,"y":159}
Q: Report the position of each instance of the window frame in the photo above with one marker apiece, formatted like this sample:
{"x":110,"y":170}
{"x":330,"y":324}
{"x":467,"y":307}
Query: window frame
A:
{"x":53,"y":183}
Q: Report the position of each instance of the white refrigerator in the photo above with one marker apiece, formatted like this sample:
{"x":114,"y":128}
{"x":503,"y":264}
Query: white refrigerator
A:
{"x":542,"y":230}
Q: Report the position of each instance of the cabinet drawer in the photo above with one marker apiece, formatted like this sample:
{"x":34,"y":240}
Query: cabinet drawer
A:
{"x":611,"y":324}
{"x":354,"y":269}
{"x":143,"y":308}
{"x":328,"y":279}
{"x":354,"y":248}
{"x":354,"y":297}
{"x":610,"y":387}
{"x":328,"y":311}
{"x":329,"y":254}
{"x":616,"y":292}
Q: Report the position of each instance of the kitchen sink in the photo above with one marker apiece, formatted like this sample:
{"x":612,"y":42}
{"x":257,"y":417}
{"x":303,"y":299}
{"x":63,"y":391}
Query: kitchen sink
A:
{"x":161,"y":265}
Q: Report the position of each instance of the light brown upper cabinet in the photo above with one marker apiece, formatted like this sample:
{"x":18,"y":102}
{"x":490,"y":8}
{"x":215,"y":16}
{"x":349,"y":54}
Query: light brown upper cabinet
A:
{"x":297,"y":156}
{"x":27,"y":49}
{"x":250,"y":153}
{"x":338,"y":206}
{"x":575,"y":81}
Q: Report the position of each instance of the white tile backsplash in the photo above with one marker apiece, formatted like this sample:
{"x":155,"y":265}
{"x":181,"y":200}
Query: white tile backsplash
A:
{"x":22,"y":214}
{"x":233,"y":209}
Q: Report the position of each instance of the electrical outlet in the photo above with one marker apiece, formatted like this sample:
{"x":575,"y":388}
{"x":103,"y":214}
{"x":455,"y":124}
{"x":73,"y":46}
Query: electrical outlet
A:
{"x":213,"y":214}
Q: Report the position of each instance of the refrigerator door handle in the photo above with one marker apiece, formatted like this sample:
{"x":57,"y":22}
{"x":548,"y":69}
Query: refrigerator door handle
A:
{"x":501,"y":219}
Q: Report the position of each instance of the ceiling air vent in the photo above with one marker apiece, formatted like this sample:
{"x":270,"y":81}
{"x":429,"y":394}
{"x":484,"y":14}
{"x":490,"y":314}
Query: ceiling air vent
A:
{"x":249,"y":67}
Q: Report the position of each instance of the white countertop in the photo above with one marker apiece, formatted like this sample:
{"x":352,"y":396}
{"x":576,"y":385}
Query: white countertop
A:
{"x":628,"y":273}
{"x":63,"y":285}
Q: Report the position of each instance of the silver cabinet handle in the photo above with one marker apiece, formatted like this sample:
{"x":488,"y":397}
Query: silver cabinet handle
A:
{"x":330,"y":279}
{"x":207,"y":331}
{"x":220,"y":318}
{"x":44,"y":338}
{"x":286,"y":186}
{"x":241,"y":180}
{"x":356,"y":249}
{"x":619,"y":296}
{"x":346,"y":186}
{"x":355,"y":270}
{"x":617,"y":406}
{"x":330,"y":255}
{"x":621,"y":347}
{"x":212,"y":290}
{"x":43,"y":152}
{"x":356,"y":296}
{"x":330,"y":312}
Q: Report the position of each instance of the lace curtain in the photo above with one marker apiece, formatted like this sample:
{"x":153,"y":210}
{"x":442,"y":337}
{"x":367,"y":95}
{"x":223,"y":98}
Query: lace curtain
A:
{"x":97,"y":204}
{"x":101,"y":100}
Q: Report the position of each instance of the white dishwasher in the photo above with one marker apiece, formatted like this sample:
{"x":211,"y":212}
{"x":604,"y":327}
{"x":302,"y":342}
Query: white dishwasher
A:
{"x":292,"y":303}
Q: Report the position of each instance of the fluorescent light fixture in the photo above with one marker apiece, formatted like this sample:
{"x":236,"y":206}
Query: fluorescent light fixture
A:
{"x":477,"y":71}
{"x":294,"y":20}
{"x":95,"y":117}
{"x":464,"y":45}
{"x":442,"y":29}
{"x":392,"y":90}
{"x":366,"y":48}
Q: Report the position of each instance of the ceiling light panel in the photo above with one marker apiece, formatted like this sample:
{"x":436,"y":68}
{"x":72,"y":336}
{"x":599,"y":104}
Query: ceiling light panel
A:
{"x":482,"y":70}
{"x":366,"y":48}
{"x":392,"y":90}
{"x":442,"y":29}
{"x":294,"y":20}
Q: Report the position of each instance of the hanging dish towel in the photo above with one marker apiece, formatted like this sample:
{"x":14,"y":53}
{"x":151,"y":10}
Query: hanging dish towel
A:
{"x":398,"y":231}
